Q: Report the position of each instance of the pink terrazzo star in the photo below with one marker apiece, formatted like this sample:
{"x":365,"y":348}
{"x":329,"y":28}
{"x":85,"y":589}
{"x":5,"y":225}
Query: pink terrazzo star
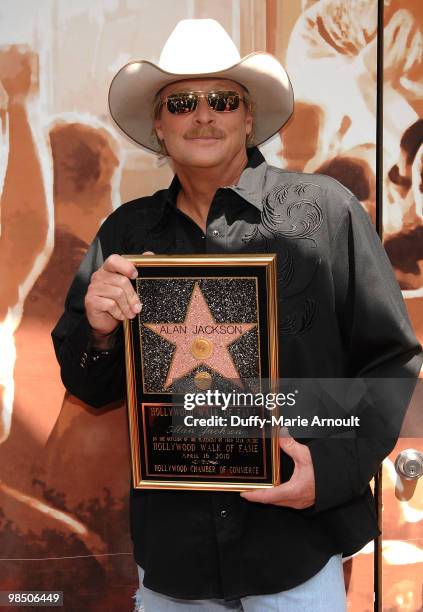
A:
{"x":194,"y":339}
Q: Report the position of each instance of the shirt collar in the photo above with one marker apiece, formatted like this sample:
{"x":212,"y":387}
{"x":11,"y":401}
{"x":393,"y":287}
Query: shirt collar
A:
{"x":251,"y":182}
{"x":249,"y":187}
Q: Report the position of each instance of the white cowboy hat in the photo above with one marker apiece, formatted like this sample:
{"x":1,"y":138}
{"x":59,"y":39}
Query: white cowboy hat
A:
{"x":200,"y":48}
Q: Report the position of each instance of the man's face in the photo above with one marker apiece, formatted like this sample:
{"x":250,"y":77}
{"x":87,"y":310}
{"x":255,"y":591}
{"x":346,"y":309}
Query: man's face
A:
{"x":204,"y":138}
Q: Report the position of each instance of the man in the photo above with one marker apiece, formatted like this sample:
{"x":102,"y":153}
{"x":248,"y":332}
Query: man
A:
{"x":279,"y":548}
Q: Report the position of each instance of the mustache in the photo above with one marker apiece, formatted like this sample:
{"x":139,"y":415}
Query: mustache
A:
{"x":203,"y":132}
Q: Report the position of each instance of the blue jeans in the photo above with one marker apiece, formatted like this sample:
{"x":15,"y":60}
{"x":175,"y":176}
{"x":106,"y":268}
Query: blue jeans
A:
{"x":324,"y":592}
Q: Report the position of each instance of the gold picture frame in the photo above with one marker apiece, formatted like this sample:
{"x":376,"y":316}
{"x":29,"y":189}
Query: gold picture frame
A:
{"x":157,"y":338}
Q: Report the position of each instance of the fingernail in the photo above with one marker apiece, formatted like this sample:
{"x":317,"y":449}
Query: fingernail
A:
{"x":137,"y":307}
{"x":134,"y":274}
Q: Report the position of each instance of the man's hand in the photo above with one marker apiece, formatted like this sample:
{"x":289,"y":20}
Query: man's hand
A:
{"x":110,"y":296}
{"x":299,"y":491}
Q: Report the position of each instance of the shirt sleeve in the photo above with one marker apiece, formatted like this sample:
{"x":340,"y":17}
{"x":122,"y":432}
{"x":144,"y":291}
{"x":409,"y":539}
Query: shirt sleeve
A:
{"x":382,"y":351}
{"x":95,"y":377}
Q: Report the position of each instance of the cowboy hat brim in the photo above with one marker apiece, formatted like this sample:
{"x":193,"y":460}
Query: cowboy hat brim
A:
{"x":134,"y":87}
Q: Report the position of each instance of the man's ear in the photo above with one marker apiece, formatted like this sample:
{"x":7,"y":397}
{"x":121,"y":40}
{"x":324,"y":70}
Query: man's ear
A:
{"x":249,"y":123}
{"x":158,"y":128}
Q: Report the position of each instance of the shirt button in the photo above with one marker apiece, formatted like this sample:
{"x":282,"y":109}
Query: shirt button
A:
{"x":215,"y":233}
{"x":223,"y":513}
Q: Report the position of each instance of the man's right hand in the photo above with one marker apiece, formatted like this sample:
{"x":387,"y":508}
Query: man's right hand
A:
{"x":110,"y":297}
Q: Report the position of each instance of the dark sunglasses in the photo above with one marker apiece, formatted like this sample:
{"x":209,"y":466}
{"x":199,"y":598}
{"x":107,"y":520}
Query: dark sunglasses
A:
{"x":187,"y":101}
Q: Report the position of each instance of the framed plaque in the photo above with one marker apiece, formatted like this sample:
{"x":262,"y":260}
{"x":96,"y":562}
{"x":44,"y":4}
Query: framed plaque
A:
{"x":199,"y":357}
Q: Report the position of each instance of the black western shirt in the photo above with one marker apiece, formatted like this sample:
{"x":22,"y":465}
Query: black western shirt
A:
{"x":341,"y":314}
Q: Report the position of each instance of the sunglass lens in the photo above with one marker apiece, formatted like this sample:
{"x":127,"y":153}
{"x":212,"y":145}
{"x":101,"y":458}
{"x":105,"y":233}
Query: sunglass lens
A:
{"x":223,"y":101}
{"x":178,"y":105}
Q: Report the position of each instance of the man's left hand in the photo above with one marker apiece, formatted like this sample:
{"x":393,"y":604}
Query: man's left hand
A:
{"x":299,"y":492}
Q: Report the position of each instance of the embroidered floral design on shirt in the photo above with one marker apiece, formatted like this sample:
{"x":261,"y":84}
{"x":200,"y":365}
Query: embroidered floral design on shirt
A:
{"x":285,"y":268}
{"x":290,"y":210}
{"x":299,"y":322}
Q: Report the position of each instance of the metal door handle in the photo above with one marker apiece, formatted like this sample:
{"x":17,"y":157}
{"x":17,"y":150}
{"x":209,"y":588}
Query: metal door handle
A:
{"x":409,"y":464}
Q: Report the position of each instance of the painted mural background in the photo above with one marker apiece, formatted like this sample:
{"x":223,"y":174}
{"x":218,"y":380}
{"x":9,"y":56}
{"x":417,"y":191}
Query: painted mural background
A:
{"x":64,"y":468}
